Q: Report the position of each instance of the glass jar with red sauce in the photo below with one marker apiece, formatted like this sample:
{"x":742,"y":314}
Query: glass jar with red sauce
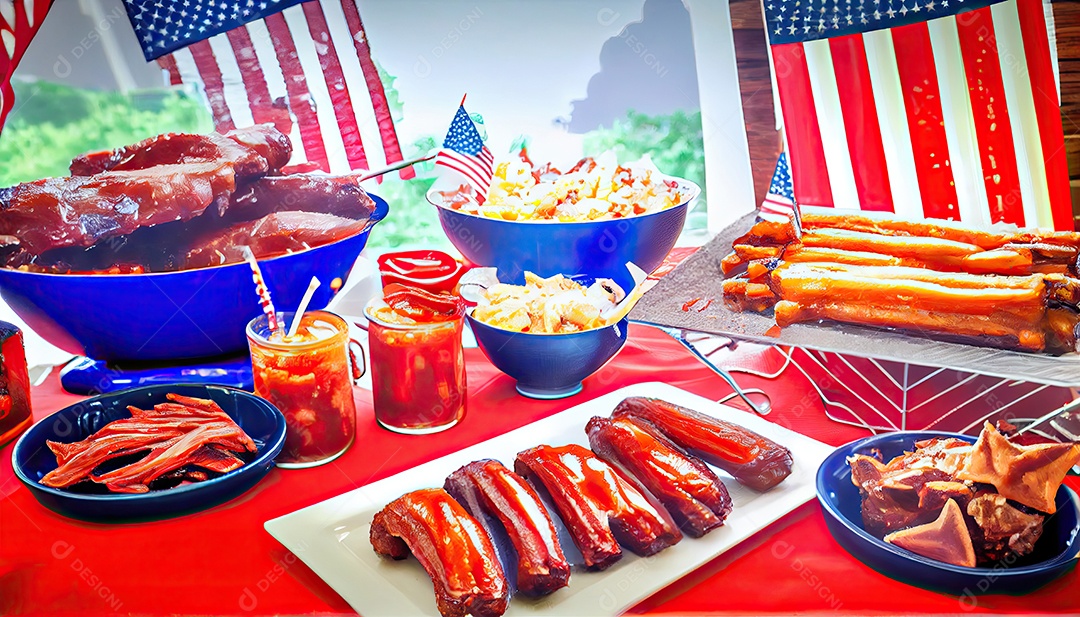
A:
{"x":15,"y":415}
{"x":310,"y":379}
{"x":417,"y":364}
{"x":433,"y":271}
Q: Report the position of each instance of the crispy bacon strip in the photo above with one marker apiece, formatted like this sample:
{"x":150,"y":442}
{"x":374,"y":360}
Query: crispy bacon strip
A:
{"x":755,"y":461}
{"x":489,"y":488}
{"x":688,"y":488}
{"x":600,"y":508}
{"x":451,"y":546}
{"x":173,"y":435}
{"x":161,"y":459}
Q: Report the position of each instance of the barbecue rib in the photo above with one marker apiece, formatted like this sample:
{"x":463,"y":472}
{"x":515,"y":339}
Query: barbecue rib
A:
{"x":254,"y":151}
{"x":451,"y":546}
{"x":488,"y":489}
{"x":691,"y":492}
{"x":753,"y":460}
{"x":138,"y":190}
{"x":275,"y":215}
{"x":600,"y":508}
{"x":273,"y":235}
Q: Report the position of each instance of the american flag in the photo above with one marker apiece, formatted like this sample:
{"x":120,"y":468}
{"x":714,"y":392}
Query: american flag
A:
{"x":19,"y":22}
{"x":928,"y":108}
{"x":779,"y":202}
{"x":305,"y":67}
{"x":464,"y":152}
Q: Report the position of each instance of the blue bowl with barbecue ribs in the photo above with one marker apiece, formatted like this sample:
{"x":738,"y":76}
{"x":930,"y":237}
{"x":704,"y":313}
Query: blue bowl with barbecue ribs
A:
{"x":1055,"y":553}
{"x":32,"y":458}
{"x":185,"y":314}
{"x":548,"y":248}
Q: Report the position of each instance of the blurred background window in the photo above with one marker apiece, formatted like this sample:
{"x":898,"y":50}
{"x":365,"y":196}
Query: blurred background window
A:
{"x":565,"y":79}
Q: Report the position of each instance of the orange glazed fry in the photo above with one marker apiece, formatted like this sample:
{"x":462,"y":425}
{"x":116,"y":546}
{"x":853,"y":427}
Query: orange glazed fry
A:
{"x":886,"y":224}
{"x":998,"y":330}
{"x":898,"y":246}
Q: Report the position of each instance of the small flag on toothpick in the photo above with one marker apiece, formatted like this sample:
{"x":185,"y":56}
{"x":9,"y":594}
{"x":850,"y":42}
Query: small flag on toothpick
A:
{"x":779,"y":204}
{"x":464,"y":151}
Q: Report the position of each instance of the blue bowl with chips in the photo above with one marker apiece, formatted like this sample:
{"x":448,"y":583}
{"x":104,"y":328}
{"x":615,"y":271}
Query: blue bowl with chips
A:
{"x":549,"y":366}
{"x":547,"y":248}
{"x":1055,"y":553}
{"x":164,"y":316}
{"x":32,"y":458}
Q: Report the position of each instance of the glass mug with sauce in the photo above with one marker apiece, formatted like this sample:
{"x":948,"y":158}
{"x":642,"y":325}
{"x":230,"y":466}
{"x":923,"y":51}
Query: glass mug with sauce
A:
{"x":310,"y":378}
{"x":417,"y":363}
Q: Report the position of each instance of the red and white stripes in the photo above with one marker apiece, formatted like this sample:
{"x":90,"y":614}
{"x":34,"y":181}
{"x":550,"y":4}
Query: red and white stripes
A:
{"x":308,"y":70}
{"x":952,"y":118}
{"x":19,"y":22}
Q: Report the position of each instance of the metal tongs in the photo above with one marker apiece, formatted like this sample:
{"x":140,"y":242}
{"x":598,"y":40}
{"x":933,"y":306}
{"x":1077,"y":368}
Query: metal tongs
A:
{"x":1065,"y":420}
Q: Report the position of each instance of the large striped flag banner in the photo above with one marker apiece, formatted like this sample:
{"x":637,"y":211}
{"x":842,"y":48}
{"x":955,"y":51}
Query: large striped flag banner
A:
{"x":305,"y":66}
{"x":19,"y":22}
{"x":927,"y":108}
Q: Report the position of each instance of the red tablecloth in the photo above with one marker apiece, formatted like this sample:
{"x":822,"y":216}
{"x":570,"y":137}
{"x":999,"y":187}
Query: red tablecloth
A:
{"x":221,"y":561}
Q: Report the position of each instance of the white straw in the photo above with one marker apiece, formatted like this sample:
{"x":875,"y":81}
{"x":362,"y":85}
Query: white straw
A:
{"x":312,"y":286}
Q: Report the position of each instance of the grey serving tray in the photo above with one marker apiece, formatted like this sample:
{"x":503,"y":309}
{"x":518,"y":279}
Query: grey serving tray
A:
{"x":699,"y":276}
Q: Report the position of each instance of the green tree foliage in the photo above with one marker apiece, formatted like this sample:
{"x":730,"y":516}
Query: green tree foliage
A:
{"x":674,"y":142}
{"x":52,"y":123}
{"x":413,"y":222}
{"x":393,"y":99}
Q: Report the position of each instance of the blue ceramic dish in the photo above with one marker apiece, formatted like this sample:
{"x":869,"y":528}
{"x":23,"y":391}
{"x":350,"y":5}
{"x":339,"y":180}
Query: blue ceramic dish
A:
{"x":549,"y":366}
{"x":196,"y":313}
{"x":1055,"y":553}
{"x":548,"y":248}
{"x":32,"y":459}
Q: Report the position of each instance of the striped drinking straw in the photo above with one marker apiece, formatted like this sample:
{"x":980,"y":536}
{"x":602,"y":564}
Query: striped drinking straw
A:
{"x":262,"y":290}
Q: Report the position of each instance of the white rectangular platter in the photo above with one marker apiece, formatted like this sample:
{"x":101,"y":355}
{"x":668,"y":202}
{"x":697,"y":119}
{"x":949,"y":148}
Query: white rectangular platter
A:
{"x":332,"y":537}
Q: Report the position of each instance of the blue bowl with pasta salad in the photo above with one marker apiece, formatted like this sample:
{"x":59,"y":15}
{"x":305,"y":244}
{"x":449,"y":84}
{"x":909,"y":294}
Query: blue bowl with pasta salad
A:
{"x":583,"y":221}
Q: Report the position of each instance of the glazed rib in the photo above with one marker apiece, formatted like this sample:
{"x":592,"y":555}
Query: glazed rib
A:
{"x":136,"y":192}
{"x":254,"y":151}
{"x":273,"y":235}
{"x":488,"y":487}
{"x":600,"y":508}
{"x":451,"y":546}
{"x":753,"y":460}
{"x":691,"y":492}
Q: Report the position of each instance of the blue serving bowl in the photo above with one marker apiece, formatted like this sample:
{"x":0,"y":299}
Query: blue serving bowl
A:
{"x":548,"y":248}
{"x":549,"y":366}
{"x":32,"y":458}
{"x":197,"y":313}
{"x":1055,"y":553}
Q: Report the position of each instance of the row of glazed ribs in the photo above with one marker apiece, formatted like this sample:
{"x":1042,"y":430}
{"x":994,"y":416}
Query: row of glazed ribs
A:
{"x":644,"y":483}
{"x":1015,"y":289}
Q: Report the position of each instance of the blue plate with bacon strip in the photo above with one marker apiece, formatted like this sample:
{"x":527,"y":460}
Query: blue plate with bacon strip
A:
{"x":168,"y":496}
